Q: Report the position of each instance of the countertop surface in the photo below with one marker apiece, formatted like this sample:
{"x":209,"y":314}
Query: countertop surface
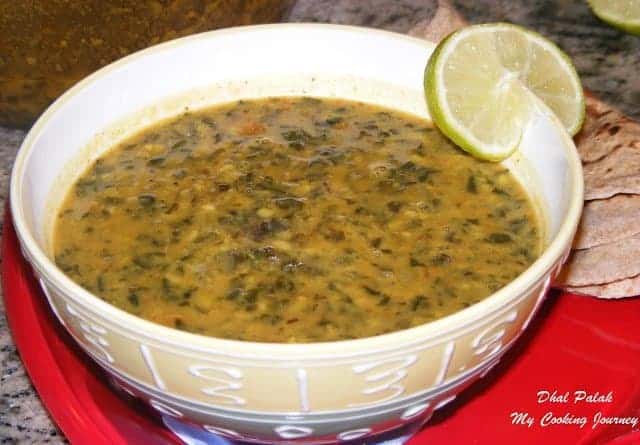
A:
{"x":608,"y":62}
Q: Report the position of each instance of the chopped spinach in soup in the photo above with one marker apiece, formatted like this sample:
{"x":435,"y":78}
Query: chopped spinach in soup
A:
{"x":294,"y":220}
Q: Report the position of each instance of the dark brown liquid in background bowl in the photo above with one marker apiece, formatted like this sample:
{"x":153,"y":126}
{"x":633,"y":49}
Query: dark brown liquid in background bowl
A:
{"x":48,"y":45}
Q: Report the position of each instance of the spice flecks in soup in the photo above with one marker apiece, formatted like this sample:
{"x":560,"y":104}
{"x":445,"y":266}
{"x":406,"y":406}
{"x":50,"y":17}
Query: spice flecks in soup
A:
{"x":294,"y":220}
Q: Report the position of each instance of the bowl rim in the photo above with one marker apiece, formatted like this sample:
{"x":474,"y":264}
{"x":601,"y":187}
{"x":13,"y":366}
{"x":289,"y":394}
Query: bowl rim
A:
{"x":433,"y":330}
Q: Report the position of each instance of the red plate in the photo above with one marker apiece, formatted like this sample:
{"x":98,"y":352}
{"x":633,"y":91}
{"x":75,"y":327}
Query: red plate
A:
{"x":575,"y":344}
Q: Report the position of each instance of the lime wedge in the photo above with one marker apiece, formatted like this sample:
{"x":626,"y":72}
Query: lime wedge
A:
{"x":623,"y":14}
{"x":484,"y":82}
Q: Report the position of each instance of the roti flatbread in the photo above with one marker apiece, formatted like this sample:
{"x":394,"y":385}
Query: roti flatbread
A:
{"x":617,"y":289}
{"x":602,"y":264}
{"x":444,"y":22}
{"x":619,"y":172}
{"x":605,"y":129}
{"x":609,"y":220}
{"x":609,"y":146}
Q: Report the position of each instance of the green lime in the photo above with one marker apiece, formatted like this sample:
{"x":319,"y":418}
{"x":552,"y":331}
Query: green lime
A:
{"x":623,"y":14}
{"x":483,"y":82}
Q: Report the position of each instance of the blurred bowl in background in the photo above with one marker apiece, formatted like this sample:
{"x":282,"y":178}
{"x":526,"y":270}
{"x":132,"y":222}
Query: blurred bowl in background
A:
{"x":48,"y":45}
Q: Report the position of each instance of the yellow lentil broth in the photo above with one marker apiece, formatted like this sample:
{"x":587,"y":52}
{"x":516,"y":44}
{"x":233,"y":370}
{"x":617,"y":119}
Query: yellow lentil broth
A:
{"x":294,"y":220}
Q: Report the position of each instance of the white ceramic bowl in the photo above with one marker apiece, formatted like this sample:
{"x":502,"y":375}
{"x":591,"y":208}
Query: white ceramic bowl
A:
{"x":309,"y":393}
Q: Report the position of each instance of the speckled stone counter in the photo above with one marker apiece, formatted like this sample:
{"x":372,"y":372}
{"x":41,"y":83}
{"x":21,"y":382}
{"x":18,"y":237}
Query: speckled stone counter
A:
{"x":607,"y":60}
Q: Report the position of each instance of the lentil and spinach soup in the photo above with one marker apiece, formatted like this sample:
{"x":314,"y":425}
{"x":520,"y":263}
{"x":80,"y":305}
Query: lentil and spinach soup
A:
{"x":294,"y":220}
